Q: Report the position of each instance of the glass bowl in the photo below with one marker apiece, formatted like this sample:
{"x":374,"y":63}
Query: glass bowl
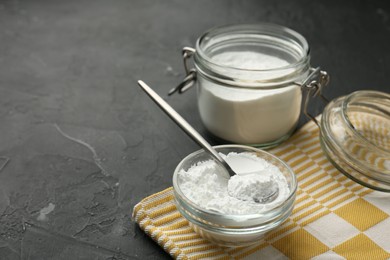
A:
{"x":233,"y":230}
{"x":355,"y":136}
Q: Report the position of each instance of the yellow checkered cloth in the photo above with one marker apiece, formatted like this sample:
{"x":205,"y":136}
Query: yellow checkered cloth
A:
{"x":333,"y":218}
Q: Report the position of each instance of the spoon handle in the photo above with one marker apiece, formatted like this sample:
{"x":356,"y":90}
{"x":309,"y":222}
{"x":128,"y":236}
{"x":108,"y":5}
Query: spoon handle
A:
{"x":180,"y":121}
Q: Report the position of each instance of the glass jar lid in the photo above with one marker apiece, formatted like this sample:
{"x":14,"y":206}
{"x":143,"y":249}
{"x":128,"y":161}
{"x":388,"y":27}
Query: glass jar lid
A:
{"x":355,"y":136}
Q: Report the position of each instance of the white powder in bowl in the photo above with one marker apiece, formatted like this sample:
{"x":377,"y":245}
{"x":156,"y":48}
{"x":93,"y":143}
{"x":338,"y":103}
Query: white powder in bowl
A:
{"x":205,"y":185}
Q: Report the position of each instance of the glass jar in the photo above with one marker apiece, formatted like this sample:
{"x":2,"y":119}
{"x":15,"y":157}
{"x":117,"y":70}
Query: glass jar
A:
{"x":233,"y":230}
{"x":249,"y":80}
{"x":355,"y":136}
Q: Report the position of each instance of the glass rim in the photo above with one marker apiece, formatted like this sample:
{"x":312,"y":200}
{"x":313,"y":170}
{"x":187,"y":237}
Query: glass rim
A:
{"x":332,"y":147}
{"x":344,"y":111}
{"x":274,"y":30}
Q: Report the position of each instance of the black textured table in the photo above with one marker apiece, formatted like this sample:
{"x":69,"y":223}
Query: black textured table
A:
{"x":80,"y":144}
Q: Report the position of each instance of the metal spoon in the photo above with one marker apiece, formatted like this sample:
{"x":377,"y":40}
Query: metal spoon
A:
{"x":191,"y":132}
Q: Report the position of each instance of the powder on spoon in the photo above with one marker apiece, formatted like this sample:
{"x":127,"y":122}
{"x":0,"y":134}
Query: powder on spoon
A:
{"x":258,"y":187}
{"x":204,"y":184}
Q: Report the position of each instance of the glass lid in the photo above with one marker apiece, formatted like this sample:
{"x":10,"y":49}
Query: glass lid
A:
{"x":355,"y":135}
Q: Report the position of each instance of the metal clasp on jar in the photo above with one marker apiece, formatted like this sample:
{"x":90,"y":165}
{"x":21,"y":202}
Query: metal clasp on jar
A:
{"x":190,"y":78}
{"x":313,"y":86}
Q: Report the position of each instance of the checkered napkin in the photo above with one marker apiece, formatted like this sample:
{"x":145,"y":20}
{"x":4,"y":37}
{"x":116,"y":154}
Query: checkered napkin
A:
{"x":333,"y":218}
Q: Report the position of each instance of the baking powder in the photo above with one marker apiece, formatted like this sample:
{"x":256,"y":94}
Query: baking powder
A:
{"x":249,"y":116}
{"x":205,"y":185}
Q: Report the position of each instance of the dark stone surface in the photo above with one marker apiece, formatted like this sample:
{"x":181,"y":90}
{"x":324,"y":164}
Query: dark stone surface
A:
{"x":80,"y":144}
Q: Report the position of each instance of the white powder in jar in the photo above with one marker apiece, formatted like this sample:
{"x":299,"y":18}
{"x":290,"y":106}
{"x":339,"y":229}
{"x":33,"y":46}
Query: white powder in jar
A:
{"x":249,"y":116}
{"x":205,"y":185}
{"x":249,"y":60}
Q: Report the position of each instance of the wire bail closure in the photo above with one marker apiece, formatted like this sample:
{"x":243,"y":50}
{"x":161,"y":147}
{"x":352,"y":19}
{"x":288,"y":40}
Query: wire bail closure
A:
{"x":313,"y":85}
{"x":190,"y":78}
